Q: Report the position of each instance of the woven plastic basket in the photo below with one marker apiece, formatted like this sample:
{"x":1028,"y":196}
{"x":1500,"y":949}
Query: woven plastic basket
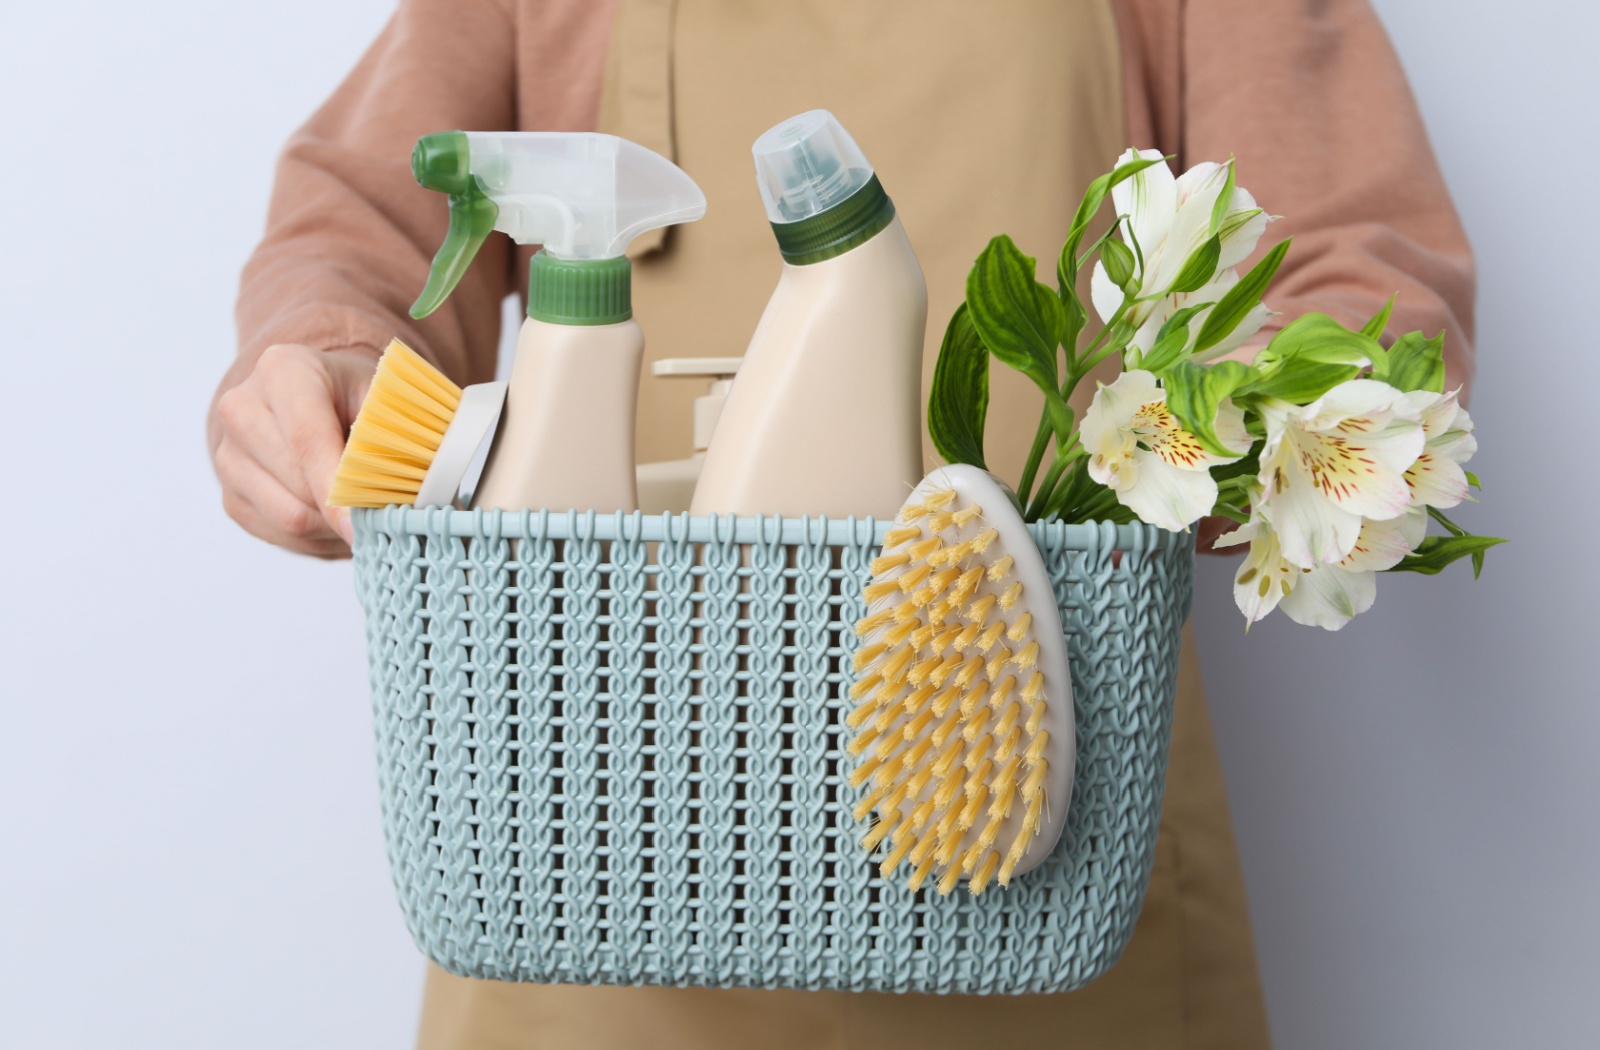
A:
{"x":611,"y":751}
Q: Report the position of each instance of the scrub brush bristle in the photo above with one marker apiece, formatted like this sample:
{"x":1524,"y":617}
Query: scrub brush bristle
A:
{"x":963,"y":724}
{"x":414,"y":435}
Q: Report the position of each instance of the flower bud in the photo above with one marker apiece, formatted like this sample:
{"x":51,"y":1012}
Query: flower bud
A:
{"x":1118,"y":261}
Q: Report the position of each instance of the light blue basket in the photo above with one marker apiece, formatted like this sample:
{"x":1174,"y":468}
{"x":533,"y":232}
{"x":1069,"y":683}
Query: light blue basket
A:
{"x":610,"y":750}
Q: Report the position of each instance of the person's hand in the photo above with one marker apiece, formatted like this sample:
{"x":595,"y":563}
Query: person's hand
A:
{"x":276,"y":436}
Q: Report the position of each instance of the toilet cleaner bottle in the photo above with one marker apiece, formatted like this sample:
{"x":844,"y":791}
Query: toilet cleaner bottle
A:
{"x":825,"y":415}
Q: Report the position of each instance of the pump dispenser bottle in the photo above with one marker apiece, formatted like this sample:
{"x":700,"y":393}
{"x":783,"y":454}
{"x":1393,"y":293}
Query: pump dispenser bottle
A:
{"x":668,"y":487}
{"x":825,"y":414}
{"x":566,"y":436}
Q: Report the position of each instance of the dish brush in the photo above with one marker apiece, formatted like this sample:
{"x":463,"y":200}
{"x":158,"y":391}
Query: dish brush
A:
{"x":415,"y":436}
{"x":964,"y":735}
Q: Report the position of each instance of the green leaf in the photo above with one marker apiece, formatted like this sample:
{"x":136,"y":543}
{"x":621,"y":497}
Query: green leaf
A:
{"x":1308,"y":358}
{"x":1199,"y":268}
{"x":1435,"y":552}
{"x":1236,"y":220}
{"x":958,"y":403}
{"x":1224,"y":204}
{"x":1118,"y":336}
{"x":1472,"y":479}
{"x":1020,"y":320}
{"x":1118,"y":260}
{"x":1240,"y":299}
{"x":1373,"y":329}
{"x":1067,"y":267}
{"x":1172,"y":340}
{"x":1100,"y":241}
{"x":1417,"y":363}
{"x":1300,"y":380}
{"x":1195,"y":392}
{"x":1061,"y":419}
{"x":1077,"y":318}
{"x":1248,"y":467}
{"x":1438,"y":515}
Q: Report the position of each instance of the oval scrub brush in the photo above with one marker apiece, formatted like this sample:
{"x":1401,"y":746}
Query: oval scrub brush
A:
{"x":963,"y":730}
{"x":415,"y":436}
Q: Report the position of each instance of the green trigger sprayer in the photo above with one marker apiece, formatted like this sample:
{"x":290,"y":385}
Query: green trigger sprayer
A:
{"x":566,"y":437}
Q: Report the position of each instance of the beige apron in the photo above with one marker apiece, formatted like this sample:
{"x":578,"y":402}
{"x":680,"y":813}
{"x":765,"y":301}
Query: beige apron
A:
{"x":979,"y":120}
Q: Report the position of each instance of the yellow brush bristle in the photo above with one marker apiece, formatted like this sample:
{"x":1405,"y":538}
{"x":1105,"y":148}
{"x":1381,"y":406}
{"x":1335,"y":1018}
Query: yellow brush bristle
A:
{"x":407,"y":409}
{"x":961,"y":758}
{"x":900,"y":534}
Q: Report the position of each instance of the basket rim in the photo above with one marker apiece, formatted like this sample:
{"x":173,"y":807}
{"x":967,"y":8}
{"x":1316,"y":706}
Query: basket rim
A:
{"x":636,"y":525}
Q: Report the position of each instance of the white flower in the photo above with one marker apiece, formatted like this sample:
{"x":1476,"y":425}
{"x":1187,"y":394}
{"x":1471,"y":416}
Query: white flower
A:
{"x":1170,"y":218}
{"x":1136,"y":448}
{"x":1328,"y":465}
{"x":1436,"y":478}
{"x":1327,"y":596}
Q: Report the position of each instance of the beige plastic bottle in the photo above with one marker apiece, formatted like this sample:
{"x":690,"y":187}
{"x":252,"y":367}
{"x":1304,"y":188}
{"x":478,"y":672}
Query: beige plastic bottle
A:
{"x":566,"y":438}
{"x":566,"y":433}
{"x":668,"y":487}
{"x":825,"y":414}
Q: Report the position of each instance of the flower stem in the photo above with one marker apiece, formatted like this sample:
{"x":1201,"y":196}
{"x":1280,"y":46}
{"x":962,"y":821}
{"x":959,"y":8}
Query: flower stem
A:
{"x":1058,"y":483}
{"x":1035,"y":455}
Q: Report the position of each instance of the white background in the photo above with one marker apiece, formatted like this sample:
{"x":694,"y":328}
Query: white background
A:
{"x":189,"y":845}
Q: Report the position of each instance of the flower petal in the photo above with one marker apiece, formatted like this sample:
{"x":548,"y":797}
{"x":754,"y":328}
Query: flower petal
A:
{"x":1312,"y":529}
{"x":1436,"y":481}
{"x":1106,"y":296}
{"x":1229,"y":427}
{"x":1149,"y":199}
{"x":1170,"y":497}
{"x":1247,"y":327}
{"x":1329,"y":597}
{"x":1238,"y":244}
{"x":1265,"y":578}
{"x":1197,"y":191}
{"x":1380,"y":545}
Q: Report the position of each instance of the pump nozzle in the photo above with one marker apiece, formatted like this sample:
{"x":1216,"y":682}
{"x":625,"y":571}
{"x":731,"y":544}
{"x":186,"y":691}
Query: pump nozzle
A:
{"x":582,"y":195}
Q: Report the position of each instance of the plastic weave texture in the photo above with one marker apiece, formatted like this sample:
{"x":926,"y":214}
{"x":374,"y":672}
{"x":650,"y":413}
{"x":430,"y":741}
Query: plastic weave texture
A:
{"x":611,"y":750}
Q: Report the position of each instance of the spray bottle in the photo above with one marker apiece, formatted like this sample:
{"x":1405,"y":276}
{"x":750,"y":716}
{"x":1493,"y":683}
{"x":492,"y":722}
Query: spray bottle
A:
{"x":567,"y":432}
{"x":825,"y":415}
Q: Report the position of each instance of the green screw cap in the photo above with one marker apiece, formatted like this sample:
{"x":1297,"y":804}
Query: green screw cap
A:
{"x":853,"y":221}
{"x":580,"y":291}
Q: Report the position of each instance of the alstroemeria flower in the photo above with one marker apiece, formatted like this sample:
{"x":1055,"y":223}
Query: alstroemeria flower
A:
{"x":1329,"y":595}
{"x":1136,"y":448}
{"x":1327,"y":465}
{"x":1436,"y":478}
{"x":1170,"y":218}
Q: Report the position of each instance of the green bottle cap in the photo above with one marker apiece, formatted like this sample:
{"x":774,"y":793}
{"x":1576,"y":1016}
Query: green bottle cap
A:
{"x":853,"y":221}
{"x":580,"y":291}
{"x":820,"y":191}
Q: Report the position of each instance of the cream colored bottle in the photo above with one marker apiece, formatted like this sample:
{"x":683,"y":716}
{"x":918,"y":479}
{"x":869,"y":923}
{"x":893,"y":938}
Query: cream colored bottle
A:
{"x":824,"y":416}
{"x":566,"y":437}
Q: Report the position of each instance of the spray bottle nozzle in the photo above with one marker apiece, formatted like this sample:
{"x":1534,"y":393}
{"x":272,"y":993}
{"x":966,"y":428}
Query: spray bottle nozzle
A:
{"x":442,"y":162}
{"x":582,"y":195}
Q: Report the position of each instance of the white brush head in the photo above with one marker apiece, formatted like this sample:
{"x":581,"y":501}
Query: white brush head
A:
{"x":965,"y":728}
{"x":469,"y":428}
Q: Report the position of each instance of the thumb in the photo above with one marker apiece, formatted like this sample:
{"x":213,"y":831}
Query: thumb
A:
{"x":350,"y":374}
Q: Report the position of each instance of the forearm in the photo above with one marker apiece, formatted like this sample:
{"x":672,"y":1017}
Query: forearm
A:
{"x":1310,"y":98}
